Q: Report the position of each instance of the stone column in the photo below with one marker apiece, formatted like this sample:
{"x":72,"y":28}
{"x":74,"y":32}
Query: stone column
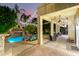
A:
{"x":40,"y":30}
{"x":57,"y":28}
{"x":52,"y":29}
{"x":2,"y":43}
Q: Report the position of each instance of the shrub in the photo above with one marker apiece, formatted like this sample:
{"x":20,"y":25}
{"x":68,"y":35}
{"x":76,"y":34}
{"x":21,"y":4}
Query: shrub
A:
{"x":30,"y":29}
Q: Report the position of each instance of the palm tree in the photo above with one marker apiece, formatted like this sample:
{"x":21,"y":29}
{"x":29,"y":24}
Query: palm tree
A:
{"x":17,"y":8}
{"x":18,"y":13}
{"x":24,"y":17}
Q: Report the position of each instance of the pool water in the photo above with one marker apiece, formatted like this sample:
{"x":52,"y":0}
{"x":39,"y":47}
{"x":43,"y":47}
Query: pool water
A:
{"x":15,"y":39}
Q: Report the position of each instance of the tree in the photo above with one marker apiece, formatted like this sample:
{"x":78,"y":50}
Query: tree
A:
{"x":34,"y":20}
{"x":30,"y":29}
{"x":7,"y":18}
{"x":17,"y":8}
{"x":24,"y":17}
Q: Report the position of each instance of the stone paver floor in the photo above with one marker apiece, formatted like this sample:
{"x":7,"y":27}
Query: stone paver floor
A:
{"x":42,"y":51}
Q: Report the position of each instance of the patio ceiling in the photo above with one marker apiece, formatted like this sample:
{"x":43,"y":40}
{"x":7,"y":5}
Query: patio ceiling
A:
{"x":64,"y":13}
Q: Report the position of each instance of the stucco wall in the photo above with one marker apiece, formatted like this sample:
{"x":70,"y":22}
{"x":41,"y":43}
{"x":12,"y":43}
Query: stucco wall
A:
{"x":71,"y":28}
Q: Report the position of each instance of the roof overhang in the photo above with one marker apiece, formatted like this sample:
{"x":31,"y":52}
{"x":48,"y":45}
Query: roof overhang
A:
{"x":64,"y":13}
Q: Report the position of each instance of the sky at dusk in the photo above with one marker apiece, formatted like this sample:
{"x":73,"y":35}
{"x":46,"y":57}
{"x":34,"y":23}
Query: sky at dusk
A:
{"x":30,"y":6}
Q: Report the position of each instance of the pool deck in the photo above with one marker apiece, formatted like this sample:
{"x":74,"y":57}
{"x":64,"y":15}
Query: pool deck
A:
{"x":13,"y":48}
{"x":42,"y":51}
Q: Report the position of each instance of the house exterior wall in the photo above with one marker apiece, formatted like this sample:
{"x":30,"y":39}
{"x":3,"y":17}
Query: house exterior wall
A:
{"x":71,"y":28}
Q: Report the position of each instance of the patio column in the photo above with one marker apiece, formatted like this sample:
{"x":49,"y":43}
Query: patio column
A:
{"x":40,"y":31}
{"x":71,"y":28}
{"x":52,"y":29}
{"x":57,"y":28}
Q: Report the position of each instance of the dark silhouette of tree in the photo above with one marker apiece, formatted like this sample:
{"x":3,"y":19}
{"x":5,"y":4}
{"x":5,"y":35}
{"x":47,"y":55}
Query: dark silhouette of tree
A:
{"x":25,"y":17}
{"x":34,"y":20}
{"x":7,"y":18}
{"x":17,"y":8}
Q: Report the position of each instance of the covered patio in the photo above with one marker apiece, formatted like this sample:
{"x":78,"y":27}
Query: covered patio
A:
{"x":54,"y":13}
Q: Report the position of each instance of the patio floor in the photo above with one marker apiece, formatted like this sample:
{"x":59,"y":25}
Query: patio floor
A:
{"x":50,"y":48}
{"x":42,"y":51}
{"x":60,"y":47}
{"x":48,"y":51}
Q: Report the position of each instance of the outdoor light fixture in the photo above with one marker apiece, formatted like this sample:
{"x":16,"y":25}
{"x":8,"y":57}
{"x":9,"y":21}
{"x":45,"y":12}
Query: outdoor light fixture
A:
{"x":62,"y":21}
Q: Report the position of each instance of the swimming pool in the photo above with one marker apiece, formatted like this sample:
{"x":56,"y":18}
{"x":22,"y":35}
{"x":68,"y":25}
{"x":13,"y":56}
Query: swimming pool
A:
{"x":15,"y":39}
